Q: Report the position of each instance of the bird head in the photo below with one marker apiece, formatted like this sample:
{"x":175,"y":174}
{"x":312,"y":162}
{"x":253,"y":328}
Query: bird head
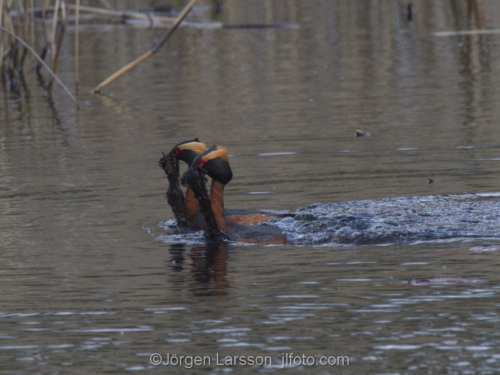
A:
{"x":215,"y":163}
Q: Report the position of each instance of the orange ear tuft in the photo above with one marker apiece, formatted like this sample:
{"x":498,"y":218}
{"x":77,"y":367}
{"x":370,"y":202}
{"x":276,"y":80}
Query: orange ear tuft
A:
{"x":197,"y":147}
{"x":219,"y":152}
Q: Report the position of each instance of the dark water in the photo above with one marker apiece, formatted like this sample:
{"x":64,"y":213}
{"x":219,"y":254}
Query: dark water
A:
{"x":94,"y":282}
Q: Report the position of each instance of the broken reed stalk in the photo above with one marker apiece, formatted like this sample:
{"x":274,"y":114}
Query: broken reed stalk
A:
{"x":77,"y":45}
{"x":46,"y":34}
{"x":148,"y":54}
{"x":58,"y":43}
{"x":2,"y":43}
{"x":52,"y":38}
{"x":25,"y":32}
{"x":26,"y":45}
{"x":47,"y":48}
{"x":32,"y":26}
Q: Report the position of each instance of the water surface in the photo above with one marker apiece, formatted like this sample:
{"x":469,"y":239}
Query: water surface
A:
{"x":90,"y":284}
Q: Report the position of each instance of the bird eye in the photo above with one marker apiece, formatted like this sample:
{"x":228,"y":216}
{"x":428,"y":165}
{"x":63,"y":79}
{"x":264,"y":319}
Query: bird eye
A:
{"x":177,"y":150}
{"x":203,"y":161}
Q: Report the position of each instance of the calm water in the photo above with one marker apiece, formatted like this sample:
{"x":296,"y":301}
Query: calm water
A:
{"x":90,"y":284}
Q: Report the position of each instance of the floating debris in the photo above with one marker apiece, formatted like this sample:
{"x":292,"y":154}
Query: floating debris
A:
{"x":361,"y":133}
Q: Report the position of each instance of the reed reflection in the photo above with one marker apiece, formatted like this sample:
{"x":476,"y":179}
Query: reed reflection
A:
{"x":19,"y":103}
{"x":476,"y":59}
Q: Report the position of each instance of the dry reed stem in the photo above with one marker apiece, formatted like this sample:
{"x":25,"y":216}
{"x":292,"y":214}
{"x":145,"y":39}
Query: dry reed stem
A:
{"x":121,"y":71}
{"x":77,"y":45}
{"x":25,"y":31}
{"x":62,"y":33}
{"x":52,"y":40}
{"x":162,"y":41}
{"x":2,"y":43}
{"x":32,"y":26}
{"x":46,"y":33}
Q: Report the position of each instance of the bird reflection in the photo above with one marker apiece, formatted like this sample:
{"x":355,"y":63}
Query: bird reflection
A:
{"x":209,"y":267}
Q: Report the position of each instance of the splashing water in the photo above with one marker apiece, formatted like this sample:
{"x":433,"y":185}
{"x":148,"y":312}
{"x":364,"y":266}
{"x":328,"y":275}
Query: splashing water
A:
{"x":382,"y":221}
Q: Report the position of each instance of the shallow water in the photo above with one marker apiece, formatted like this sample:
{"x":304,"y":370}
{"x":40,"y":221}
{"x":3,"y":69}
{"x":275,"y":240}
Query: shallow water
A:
{"x":94,"y":282}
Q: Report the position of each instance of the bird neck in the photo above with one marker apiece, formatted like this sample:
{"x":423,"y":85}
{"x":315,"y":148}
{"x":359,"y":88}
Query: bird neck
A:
{"x":191,"y":207}
{"x":217,"y":199}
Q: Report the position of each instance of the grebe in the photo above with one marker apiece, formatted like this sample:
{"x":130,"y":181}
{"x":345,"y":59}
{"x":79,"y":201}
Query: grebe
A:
{"x":215,"y":163}
{"x":186,"y":208}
